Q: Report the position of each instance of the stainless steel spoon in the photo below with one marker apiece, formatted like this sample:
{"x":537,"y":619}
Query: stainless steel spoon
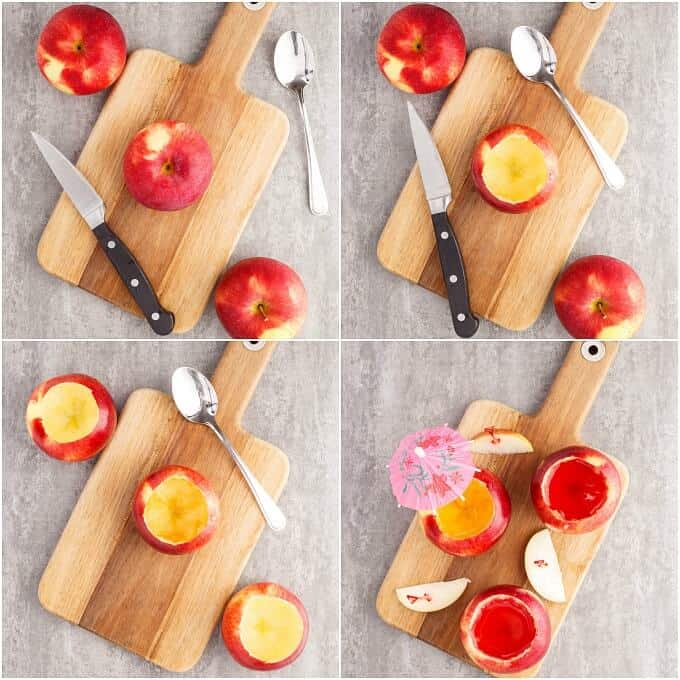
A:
{"x":196,"y":400}
{"x":294,"y":68}
{"x":536,"y":60}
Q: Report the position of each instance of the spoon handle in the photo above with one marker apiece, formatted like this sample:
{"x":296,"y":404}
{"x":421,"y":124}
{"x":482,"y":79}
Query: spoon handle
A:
{"x":610,"y":171}
{"x":318,"y":202}
{"x":270,"y":511}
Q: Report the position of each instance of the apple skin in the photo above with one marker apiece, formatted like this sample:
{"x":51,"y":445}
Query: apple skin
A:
{"x":84,"y":448}
{"x":555,"y":519}
{"x":476,"y":545}
{"x":261,"y":298}
{"x":150,"y":483}
{"x":491,"y":140}
{"x":537,"y":649}
{"x":81,"y":50}
{"x":167,"y":165}
{"x":600,"y":297}
{"x":232,"y":620}
{"x":421,"y":49}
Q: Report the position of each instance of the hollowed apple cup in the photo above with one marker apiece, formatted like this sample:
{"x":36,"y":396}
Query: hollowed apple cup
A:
{"x":81,"y":50}
{"x":176,"y":510}
{"x":515,"y":168}
{"x":261,"y":298}
{"x":505,"y":629}
{"x":576,"y":490}
{"x":265,"y":627}
{"x":71,"y":417}
{"x":167,"y":165}
{"x":600,"y":297}
{"x":421,"y":49}
{"x":474,"y":522}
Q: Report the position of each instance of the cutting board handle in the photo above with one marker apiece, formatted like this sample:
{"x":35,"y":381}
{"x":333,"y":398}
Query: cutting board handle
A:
{"x":236,"y":377}
{"x":574,"y":37}
{"x":575,"y":387}
{"x":231,"y":45}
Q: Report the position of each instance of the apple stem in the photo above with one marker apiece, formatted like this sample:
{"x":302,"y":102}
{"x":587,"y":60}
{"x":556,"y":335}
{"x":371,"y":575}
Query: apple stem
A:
{"x":600,"y":308}
{"x":260,"y":308}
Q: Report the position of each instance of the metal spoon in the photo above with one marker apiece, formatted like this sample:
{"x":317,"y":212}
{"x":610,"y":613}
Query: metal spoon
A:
{"x":294,"y":68}
{"x":536,"y":60}
{"x":196,"y":400}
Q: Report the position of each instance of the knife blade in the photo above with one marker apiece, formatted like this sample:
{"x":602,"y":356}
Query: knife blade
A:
{"x":438,"y":194}
{"x":92,"y":209}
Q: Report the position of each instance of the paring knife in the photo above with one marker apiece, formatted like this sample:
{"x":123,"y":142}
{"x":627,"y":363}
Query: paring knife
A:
{"x":438,"y":192}
{"x":91,"y":207}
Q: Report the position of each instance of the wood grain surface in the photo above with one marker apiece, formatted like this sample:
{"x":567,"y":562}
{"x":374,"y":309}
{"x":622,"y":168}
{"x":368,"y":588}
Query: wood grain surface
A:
{"x":511,"y":261}
{"x":557,"y":424}
{"x":182,"y":252}
{"x":104,"y":577}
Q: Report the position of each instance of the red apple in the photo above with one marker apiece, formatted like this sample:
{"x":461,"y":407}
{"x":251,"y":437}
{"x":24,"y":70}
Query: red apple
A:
{"x":505,"y":629}
{"x":261,"y":298}
{"x":576,"y":489}
{"x":167,"y":165}
{"x":81,"y":50}
{"x":514,"y":168}
{"x":71,"y":417}
{"x":472,"y":523}
{"x":265,"y":627}
{"x":600,"y":297}
{"x":176,"y":510}
{"x":421,"y":49}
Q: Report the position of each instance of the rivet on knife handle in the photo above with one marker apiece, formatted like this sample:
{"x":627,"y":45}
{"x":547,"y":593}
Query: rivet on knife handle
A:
{"x":160,"y":320}
{"x":464,"y":322}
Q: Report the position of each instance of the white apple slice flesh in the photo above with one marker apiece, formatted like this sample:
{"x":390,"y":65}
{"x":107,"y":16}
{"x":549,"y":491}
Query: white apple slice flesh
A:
{"x":543,"y":568}
{"x":431,"y":597}
{"x":496,"y":440}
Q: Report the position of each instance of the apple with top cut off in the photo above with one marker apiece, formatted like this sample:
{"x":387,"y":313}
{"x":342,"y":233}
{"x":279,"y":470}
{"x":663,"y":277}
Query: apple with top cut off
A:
{"x":176,"y":510}
{"x":514,"y":168}
{"x":71,"y":417}
{"x":261,"y":298}
{"x":576,"y":490}
{"x":421,"y":49}
{"x":265,"y":627}
{"x":600,"y":297}
{"x":474,"y":522}
{"x":81,"y":50}
{"x":505,"y":629}
{"x":167,"y":165}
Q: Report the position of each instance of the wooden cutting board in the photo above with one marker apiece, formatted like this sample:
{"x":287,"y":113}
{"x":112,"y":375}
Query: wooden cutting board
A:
{"x":511,"y":260}
{"x":182,"y":252}
{"x":104,"y":577}
{"x":556,"y":424}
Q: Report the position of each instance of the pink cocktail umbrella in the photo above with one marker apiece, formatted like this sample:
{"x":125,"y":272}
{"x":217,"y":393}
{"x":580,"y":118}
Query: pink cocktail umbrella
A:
{"x":431,"y":468}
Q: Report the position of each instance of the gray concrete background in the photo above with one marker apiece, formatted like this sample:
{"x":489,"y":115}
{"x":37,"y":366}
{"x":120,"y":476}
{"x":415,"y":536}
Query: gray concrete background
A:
{"x":623,"y":621}
{"x":635,"y":69}
{"x":288,"y":409}
{"x":37,"y":305}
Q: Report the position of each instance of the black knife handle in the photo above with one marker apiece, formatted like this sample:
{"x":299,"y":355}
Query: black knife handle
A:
{"x":134,"y":278}
{"x":465,"y":323}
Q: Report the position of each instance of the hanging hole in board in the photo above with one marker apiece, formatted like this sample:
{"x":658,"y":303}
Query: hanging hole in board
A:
{"x":253,"y":345}
{"x":593,"y":350}
{"x":253,"y":6}
{"x":592,"y":5}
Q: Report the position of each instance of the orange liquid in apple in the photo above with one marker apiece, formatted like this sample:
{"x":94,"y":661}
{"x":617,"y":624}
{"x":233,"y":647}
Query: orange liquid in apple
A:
{"x":577,"y":489}
{"x":504,"y":629}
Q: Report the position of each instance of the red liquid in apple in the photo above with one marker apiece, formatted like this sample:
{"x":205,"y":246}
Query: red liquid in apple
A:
{"x":577,"y":489}
{"x":504,"y":629}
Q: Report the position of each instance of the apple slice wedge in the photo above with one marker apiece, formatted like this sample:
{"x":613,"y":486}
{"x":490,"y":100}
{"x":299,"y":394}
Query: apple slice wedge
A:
{"x":497,"y":440}
{"x":543,"y":567}
{"x":431,"y":597}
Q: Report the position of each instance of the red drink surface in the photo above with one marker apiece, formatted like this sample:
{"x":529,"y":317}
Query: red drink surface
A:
{"x":504,"y":629}
{"x":577,"y":489}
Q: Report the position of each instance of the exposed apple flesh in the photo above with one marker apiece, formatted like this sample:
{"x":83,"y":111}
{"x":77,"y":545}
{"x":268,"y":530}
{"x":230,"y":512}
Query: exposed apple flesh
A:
{"x":474,"y":522}
{"x":514,"y":168}
{"x":71,"y":417}
{"x":176,"y":510}
{"x":576,"y":490}
{"x":505,"y":629}
{"x":543,"y":567}
{"x":500,"y":441}
{"x":431,"y":597}
{"x":265,"y":627}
